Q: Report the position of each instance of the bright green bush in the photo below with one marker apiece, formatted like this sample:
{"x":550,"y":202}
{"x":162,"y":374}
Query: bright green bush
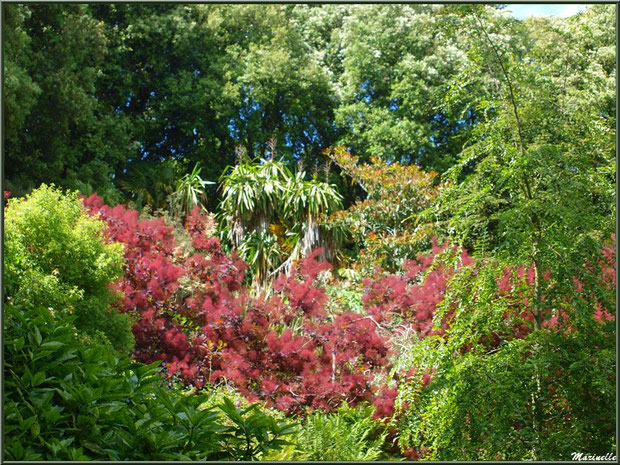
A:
{"x":56,"y":257}
{"x":495,"y":387}
{"x":65,"y":400}
{"x":545,"y":396}
{"x":345,"y":435}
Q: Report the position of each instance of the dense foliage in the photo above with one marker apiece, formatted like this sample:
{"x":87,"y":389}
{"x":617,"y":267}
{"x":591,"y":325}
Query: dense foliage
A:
{"x":95,"y":94}
{"x":195,"y":315}
{"x":524,"y":390}
{"x":55,"y":256}
{"x":65,"y":400}
{"x":344,"y":435}
{"x":390,"y":224}
{"x":385,"y":227}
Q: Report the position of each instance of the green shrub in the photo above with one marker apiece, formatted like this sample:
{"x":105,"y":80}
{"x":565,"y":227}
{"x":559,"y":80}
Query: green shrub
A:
{"x":345,"y":435}
{"x":56,"y":257}
{"x":65,"y":400}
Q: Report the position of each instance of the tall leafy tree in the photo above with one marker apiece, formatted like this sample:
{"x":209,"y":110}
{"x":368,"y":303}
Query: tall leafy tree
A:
{"x":285,"y":91}
{"x":196,"y":81}
{"x":539,"y":208}
{"x":168,"y":73}
{"x":578,"y":53}
{"x":62,"y":132}
{"x":20,"y":91}
{"x":397,"y":63}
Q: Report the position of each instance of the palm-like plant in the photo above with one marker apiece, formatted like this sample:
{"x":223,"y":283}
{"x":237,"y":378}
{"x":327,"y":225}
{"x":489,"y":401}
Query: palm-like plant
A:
{"x":241,"y":199}
{"x":321,"y":198}
{"x":259,"y":194}
{"x":189,"y":193}
{"x":305,"y":203}
{"x":261,"y":251}
{"x":251,"y":196}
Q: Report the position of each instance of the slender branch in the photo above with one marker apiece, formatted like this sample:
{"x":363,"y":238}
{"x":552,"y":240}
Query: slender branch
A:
{"x":368,"y":317}
{"x":525,"y":182}
{"x":513,"y":99}
{"x":565,"y":79}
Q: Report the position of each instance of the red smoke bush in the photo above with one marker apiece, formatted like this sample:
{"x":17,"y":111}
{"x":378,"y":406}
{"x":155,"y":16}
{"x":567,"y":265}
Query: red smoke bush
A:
{"x":414,"y":294}
{"x":219,"y":332}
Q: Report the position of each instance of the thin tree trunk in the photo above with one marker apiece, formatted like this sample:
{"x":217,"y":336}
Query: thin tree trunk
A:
{"x":537,"y":417}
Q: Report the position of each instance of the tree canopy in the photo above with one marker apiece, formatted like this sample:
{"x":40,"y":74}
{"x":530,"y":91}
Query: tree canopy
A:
{"x":94,"y":93}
